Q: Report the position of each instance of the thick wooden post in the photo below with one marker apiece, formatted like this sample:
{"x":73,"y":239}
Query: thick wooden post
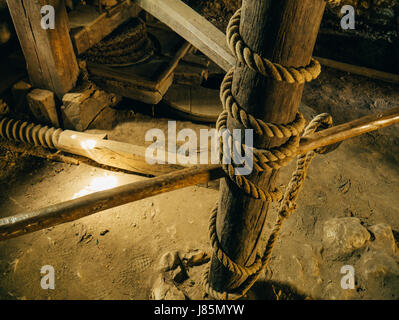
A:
{"x":285,"y":32}
{"x":49,"y":54}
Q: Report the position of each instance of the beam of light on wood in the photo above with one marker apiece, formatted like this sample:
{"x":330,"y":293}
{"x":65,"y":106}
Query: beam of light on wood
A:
{"x":71,"y":210}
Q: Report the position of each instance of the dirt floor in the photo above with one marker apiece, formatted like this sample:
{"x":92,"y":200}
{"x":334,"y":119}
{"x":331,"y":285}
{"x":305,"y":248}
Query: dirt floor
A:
{"x":115,"y":254}
{"x":348,"y":213}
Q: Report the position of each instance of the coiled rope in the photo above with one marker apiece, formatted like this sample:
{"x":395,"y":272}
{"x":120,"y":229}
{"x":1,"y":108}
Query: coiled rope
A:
{"x":263,"y":159}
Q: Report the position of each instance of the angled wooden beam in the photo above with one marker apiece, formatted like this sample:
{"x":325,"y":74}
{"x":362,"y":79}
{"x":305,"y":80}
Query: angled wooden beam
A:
{"x":190,"y":25}
{"x":361,"y":71}
{"x":49,"y":54}
{"x":88,"y":26}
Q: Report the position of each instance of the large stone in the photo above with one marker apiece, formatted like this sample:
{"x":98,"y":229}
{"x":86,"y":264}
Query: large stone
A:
{"x":383,"y":238}
{"x":166,"y":290}
{"x":178,"y":275}
{"x":169,"y":261}
{"x":377,"y":264}
{"x":344,"y":235}
{"x":379,"y":275}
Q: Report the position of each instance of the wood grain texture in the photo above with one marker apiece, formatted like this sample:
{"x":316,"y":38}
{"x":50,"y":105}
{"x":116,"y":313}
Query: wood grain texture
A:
{"x":49,"y":54}
{"x":88,"y":27}
{"x":112,"y":153}
{"x":193,"y":27}
{"x":283,"y":31}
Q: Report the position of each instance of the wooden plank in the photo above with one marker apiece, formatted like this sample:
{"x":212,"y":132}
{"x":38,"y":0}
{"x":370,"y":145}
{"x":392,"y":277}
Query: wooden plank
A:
{"x":124,"y":82}
{"x":190,"y":25}
{"x":361,"y":71}
{"x":194,"y":103}
{"x":88,"y":26}
{"x":147,"y":82}
{"x":49,"y":54}
{"x":112,"y":153}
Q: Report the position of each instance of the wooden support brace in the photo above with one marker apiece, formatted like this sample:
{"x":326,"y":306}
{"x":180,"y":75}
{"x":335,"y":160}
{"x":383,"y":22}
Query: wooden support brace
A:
{"x":49,"y":54}
{"x":193,"y":27}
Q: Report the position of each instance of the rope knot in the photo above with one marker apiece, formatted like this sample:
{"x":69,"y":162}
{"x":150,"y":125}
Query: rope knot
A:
{"x":263,"y":159}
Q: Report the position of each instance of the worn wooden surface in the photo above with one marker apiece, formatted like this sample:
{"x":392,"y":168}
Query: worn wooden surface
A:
{"x":129,"y":82}
{"x":194,"y":103}
{"x":285,"y":32}
{"x":19,"y":91}
{"x":361,"y":71}
{"x":42,"y":105}
{"x":49,"y":54}
{"x":193,"y":27}
{"x":112,"y":153}
{"x":88,"y":26}
{"x":147,"y":82}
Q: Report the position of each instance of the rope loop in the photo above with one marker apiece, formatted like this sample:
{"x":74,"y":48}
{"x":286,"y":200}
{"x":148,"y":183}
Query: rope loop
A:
{"x":264,"y":66}
{"x":263,"y":159}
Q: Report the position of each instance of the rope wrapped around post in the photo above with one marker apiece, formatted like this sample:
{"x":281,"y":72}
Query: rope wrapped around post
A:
{"x":263,"y":159}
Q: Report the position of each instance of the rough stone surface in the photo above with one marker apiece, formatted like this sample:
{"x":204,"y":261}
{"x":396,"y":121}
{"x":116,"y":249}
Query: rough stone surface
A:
{"x":344,"y":235}
{"x":165,"y":290}
{"x":178,"y":275}
{"x":169,"y":261}
{"x":383,"y":238}
{"x":378,"y":264}
{"x":196,"y":258}
{"x":379,"y":272}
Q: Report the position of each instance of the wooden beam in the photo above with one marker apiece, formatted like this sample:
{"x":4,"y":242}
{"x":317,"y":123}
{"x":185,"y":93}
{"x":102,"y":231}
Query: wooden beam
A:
{"x":349,"y":130}
{"x":361,"y":71}
{"x":24,"y":223}
{"x":112,"y":153}
{"x":75,"y":209}
{"x":88,"y":26}
{"x":285,"y":32}
{"x":190,"y":25}
{"x":146,"y":82}
{"x":49,"y":54}
{"x":211,"y":41}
